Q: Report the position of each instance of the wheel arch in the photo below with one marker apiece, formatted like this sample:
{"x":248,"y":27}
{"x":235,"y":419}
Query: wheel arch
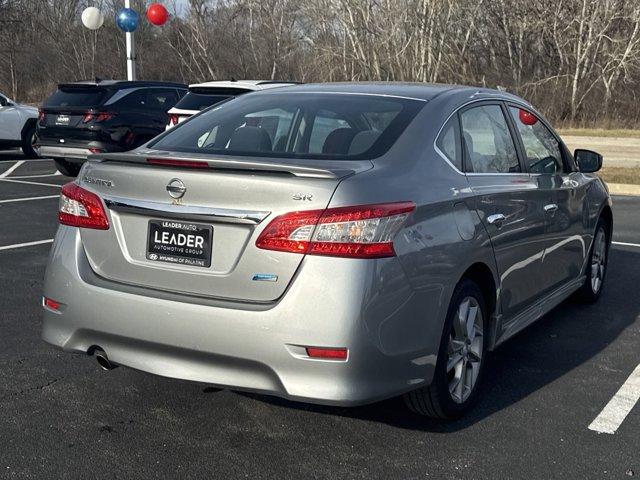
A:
{"x":31,"y":122}
{"x":482,"y":275}
{"x":606,"y":213}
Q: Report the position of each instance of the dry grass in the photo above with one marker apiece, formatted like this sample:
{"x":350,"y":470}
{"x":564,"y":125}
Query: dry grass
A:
{"x":630,"y":176}
{"x":598,"y":132}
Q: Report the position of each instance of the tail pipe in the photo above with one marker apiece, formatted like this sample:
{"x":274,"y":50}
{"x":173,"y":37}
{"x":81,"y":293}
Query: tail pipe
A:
{"x":103,"y":360}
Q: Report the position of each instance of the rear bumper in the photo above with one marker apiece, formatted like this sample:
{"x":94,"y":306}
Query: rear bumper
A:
{"x":73,"y":153}
{"x":252,"y":347}
{"x":70,"y":153}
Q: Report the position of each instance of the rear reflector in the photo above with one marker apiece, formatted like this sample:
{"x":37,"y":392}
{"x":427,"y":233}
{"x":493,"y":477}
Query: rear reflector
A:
{"x":81,"y":208}
{"x":168,"y":162}
{"x":364,"y":231}
{"x":52,"y":304}
{"x":327,"y":353}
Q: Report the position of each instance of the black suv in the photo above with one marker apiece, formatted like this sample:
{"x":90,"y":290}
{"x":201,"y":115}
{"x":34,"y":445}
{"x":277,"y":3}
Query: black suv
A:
{"x":82,"y":118}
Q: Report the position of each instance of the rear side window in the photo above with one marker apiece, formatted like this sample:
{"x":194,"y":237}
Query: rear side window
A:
{"x":489,"y":147}
{"x":449,"y":142}
{"x":76,"y":97}
{"x":161,"y":100}
{"x":300,"y":125}
{"x":148,"y":99}
{"x":196,"y":101}
{"x":540,"y":146}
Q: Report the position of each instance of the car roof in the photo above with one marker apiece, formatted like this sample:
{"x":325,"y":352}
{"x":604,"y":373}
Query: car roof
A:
{"x":245,"y":84}
{"x":123,"y":84}
{"x":416,"y":91}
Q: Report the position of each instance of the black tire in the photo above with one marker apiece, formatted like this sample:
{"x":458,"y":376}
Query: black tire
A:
{"x":67,"y":168}
{"x":436,"y":400}
{"x":28,"y":139}
{"x":588,"y":293}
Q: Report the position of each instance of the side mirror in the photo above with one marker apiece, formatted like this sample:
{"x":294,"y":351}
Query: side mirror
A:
{"x":588,"y":161}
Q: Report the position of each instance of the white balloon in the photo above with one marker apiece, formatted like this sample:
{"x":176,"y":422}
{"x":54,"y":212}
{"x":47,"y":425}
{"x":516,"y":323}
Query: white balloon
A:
{"x":92,"y":18}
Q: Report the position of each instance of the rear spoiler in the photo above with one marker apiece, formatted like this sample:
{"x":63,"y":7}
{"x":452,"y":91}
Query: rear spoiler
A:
{"x":330,"y":169}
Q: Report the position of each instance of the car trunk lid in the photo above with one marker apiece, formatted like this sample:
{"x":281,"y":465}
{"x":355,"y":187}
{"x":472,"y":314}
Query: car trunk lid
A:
{"x":232,"y":198}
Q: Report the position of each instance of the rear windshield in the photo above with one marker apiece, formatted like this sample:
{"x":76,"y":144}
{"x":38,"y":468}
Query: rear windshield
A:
{"x":300,"y":125}
{"x":197,"y":101}
{"x":76,"y":97}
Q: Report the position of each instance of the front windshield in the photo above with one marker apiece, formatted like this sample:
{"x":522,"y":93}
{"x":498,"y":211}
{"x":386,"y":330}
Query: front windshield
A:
{"x":299,"y":125}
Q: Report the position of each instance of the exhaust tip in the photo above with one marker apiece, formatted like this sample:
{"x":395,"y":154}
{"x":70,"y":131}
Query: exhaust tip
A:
{"x":103,"y":360}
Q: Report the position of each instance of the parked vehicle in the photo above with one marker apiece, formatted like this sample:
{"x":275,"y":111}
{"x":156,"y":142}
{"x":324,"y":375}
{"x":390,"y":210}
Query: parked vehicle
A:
{"x":204,"y":95}
{"x":336,"y":244}
{"x":17,"y":126}
{"x":83,"y":118}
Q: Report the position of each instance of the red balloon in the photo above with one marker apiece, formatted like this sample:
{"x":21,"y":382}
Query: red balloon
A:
{"x":528,"y":118}
{"x":157,"y":14}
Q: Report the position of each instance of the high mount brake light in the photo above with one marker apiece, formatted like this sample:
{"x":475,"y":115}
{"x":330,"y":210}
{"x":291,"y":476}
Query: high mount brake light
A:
{"x":364,"y":231}
{"x":169,"y":162}
{"x":81,"y":208}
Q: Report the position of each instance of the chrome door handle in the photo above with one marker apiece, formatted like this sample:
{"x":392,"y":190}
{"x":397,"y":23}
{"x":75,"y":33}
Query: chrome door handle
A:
{"x":496,"y":219}
{"x":552,"y":207}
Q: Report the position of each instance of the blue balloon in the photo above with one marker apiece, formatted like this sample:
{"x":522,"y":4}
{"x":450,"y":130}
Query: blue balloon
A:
{"x":127,"y":20}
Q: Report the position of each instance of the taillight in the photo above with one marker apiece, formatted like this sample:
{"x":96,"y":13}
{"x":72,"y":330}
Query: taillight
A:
{"x":365,"y":231}
{"x":41,"y":116}
{"x":104,"y":116}
{"x":98,"y":117}
{"x":173,"y":119}
{"x":81,"y":208}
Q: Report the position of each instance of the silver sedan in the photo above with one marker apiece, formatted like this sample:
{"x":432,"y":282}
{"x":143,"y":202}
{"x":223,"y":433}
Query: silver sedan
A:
{"x":334,"y":243}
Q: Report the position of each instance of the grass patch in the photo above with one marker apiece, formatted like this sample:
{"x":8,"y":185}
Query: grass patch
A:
{"x":599,"y":132}
{"x":626,"y":175}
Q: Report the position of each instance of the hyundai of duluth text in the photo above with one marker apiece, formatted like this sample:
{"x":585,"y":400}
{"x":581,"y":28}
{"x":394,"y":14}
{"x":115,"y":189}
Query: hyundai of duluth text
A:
{"x":336,"y":244}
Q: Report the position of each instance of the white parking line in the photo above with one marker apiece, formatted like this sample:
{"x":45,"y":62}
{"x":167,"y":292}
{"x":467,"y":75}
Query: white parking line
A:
{"x":625,"y":244}
{"x":31,"y":160}
{"x":11,"y":200}
{"x":619,"y":406}
{"x":21,"y":177}
{"x":30,"y":183}
{"x":27,"y":244}
{"x":11,"y":169}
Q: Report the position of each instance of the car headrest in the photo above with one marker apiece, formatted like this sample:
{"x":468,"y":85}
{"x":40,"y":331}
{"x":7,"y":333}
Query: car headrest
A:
{"x":363,"y":141}
{"x":250,"y":139}
{"x":338,"y":141}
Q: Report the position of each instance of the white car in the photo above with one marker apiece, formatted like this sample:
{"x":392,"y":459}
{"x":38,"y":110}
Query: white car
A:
{"x":203,"y":95}
{"x":17,"y":126}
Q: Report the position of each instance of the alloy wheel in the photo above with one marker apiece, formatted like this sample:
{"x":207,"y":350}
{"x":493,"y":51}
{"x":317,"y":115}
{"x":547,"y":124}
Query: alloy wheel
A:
{"x":465,"y":350}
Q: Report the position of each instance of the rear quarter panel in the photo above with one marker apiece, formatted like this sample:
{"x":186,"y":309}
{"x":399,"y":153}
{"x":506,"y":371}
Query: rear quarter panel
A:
{"x":443,"y":237}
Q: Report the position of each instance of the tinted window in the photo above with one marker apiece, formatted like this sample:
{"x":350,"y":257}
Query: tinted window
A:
{"x":76,"y":97}
{"x":449,"y":142}
{"x":161,"y":100}
{"x":302,"y":125}
{"x":488,"y":143}
{"x":541,"y":147}
{"x":196,"y":101}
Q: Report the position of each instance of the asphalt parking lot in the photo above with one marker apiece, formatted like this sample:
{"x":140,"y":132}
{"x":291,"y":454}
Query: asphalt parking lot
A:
{"x":63,"y":417}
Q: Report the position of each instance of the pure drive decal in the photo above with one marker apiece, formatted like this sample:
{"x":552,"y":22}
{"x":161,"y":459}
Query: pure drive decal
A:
{"x":180,"y":243}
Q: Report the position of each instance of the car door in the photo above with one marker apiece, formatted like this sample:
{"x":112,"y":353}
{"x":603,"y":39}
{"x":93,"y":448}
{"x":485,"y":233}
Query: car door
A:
{"x":10,"y":120}
{"x":563,"y":192}
{"x":506,"y":199}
